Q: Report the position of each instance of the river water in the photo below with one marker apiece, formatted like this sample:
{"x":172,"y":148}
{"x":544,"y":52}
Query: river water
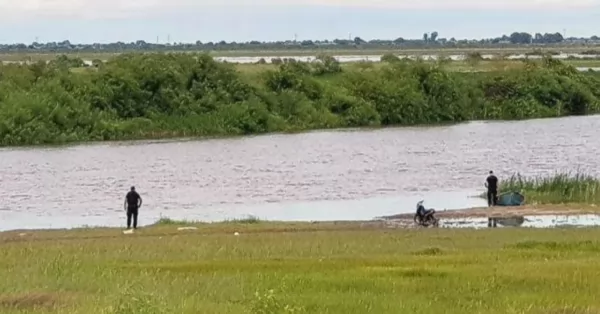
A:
{"x":325,"y":175}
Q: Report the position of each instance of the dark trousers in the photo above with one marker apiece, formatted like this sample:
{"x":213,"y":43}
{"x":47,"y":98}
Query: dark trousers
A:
{"x":492,"y":196}
{"x":132,"y":212}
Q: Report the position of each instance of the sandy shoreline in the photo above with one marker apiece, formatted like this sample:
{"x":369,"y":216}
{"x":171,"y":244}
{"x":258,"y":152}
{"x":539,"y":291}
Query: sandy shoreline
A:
{"x":394,"y":221}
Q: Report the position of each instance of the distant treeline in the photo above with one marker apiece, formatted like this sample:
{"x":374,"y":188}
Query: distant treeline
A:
{"x":135,"y":96}
{"x":429,"y":40}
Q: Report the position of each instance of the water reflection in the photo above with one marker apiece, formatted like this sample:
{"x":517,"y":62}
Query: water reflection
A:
{"x":542,"y":221}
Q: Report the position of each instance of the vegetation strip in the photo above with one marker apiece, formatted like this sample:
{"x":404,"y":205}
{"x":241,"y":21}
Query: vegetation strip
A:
{"x":144,"y":96}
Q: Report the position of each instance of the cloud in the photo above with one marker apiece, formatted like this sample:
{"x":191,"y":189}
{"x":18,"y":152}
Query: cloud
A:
{"x":79,"y":8}
{"x":460,"y":4}
{"x":94,"y":9}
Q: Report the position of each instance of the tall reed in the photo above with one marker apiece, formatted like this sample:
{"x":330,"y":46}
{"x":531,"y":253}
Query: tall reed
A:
{"x":555,"y":189}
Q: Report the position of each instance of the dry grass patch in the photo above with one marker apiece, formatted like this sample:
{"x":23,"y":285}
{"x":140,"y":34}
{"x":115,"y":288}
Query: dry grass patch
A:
{"x":33,"y":300}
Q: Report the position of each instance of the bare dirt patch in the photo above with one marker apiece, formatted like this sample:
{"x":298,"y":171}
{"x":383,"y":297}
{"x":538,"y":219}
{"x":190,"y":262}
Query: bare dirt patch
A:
{"x":34,"y":300}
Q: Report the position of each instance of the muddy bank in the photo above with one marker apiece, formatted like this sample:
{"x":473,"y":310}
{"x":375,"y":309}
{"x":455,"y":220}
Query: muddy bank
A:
{"x":504,"y":212}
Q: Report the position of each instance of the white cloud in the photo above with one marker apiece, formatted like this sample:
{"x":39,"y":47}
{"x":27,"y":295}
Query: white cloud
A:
{"x":21,"y":9}
{"x":78,"y":8}
{"x":465,"y":4}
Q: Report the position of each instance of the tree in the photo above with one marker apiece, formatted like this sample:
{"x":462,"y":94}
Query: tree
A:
{"x":520,"y":38}
{"x":553,"y":38}
{"x":434,"y":36}
{"x":359,"y":41}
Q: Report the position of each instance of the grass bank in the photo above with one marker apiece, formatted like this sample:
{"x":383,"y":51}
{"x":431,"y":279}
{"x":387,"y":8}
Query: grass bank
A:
{"x":153,"y":96}
{"x":271,"y":267}
{"x":560,"y":188}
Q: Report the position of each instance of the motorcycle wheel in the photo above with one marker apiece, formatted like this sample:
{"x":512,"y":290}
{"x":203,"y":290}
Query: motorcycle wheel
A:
{"x":430,"y":221}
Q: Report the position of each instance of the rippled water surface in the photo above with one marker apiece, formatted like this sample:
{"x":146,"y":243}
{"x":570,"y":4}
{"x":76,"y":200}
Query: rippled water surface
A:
{"x":333,"y":175}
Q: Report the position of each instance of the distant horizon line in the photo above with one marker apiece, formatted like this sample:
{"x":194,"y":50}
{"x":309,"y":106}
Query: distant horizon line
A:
{"x":262,"y":42}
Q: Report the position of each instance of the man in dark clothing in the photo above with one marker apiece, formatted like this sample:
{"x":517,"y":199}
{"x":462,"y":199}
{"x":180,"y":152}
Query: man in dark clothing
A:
{"x":492,"y":189}
{"x":133,"y":202}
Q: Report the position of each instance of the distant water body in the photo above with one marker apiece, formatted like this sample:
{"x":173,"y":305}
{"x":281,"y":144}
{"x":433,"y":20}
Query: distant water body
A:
{"x":377,"y":58}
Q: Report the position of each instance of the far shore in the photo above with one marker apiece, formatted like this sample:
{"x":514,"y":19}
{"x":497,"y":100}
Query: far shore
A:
{"x":19,"y":56}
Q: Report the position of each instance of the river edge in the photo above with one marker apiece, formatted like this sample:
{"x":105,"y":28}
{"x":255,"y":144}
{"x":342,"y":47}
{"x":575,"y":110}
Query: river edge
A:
{"x":143,"y":140}
{"x":162,"y":139}
{"x":166,"y":226}
{"x":510,"y":211}
{"x":165,"y":137}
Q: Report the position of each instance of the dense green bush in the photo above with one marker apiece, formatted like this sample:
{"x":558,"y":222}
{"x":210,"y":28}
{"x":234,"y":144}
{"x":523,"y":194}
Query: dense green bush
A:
{"x":166,"y":95}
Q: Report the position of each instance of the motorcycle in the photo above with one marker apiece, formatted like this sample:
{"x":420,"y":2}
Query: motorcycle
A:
{"x":425,"y":217}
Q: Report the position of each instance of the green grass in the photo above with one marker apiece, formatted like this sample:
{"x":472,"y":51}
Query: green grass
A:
{"x":166,"y":221}
{"x":312,"y":268}
{"x":248,"y":220}
{"x":561,"y":188}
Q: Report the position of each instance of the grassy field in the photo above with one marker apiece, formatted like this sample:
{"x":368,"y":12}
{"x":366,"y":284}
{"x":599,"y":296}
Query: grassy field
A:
{"x":300,"y":268}
{"x":307,"y":52}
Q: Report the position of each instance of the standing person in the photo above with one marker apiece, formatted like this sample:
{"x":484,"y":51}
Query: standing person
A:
{"x":133,"y":202}
{"x":491,"y":183}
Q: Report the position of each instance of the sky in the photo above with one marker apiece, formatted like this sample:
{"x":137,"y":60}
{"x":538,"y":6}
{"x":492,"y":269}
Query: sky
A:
{"x":89,"y":21}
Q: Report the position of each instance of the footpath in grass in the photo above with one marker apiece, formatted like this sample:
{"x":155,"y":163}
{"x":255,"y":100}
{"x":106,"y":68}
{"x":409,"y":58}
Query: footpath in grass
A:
{"x":300,"y":268}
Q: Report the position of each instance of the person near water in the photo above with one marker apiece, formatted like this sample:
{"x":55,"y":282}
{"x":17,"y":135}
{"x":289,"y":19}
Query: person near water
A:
{"x":133,"y":202}
{"x":491,"y":183}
